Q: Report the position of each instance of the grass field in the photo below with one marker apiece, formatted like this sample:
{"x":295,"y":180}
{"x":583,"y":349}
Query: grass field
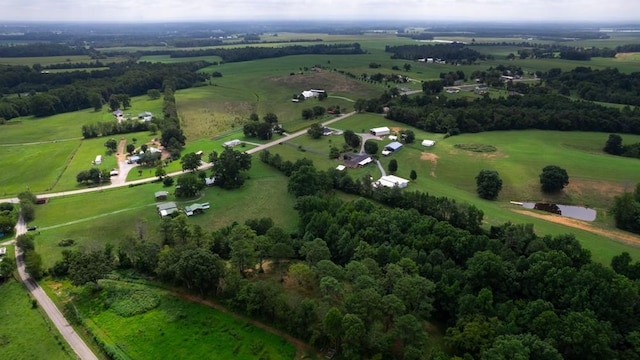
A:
{"x":147,"y":323}
{"x":109,"y":216}
{"x":446,"y":171}
{"x":53,"y":60}
{"x":26,"y":333}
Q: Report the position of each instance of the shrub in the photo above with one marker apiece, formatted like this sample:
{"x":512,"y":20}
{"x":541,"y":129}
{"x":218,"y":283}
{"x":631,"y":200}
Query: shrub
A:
{"x":66,"y":242}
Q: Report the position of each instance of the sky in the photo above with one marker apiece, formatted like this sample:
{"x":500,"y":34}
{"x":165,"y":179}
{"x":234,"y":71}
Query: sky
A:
{"x":150,"y":11}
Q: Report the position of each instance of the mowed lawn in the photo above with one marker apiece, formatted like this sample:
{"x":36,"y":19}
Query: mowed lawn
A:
{"x":181,"y":328}
{"x":110,"y":216}
{"x":26,"y":333}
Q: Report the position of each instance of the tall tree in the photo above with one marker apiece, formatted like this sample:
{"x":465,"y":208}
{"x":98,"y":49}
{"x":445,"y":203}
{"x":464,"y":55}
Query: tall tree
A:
{"x":613,"y":145}
{"x":371,"y":147}
{"x":488,"y":184}
{"x":553,"y":178}
{"x":190,"y":161}
{"x":393,"y":166}
{"x":229,"y":167}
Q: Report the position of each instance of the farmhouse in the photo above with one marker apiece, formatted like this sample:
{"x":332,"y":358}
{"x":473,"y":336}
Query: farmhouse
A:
{"x":428,"y":143}
{"x":232,"y":143}
{"x":357,"y":160}
{"x":392,"y":147}
{"x":161,"y":195}
{"x":392,"y":181}
{"x":166,"y":209}
{"x":196,"y":208}
{"x":380,"y":131}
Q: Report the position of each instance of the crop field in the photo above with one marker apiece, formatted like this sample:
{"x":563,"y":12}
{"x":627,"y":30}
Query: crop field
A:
{"x":26,"y":333}
{"x":147,"y":323}
{"x":53,"y":60}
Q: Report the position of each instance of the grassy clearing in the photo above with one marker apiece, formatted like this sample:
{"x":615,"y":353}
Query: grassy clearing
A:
{"x":26,"y":333}
{"x":158,"y":324}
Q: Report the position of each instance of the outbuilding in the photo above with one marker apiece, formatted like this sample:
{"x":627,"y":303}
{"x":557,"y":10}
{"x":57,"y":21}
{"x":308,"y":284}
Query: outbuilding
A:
{"x":380,"y":131}
{"x":161,"y":195}
{"x":232,"y":143}
{"x":392,"y":181}
{"x":166,"y":209}
{"x":391,"y":148}
{"x":428,"y":143}
{"x":196,"y":208}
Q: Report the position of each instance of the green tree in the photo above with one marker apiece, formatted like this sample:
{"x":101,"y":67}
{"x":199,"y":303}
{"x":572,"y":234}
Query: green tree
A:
{"x":190,"y":161}
{"x":353,"y":336}
{"x":393,"y":166}
{"x":188,"y":185}
{"x":154,"y":94}
{"x":553,"y":178}
{"x":307,"y":114}
{"x":488,"y":184}
{"x":308,"y":181}
{"x":199,"y":269}
{"x":408,"y":136}
{"x":360,"y":105}
{"x":316,"y":131}
{"x":111,"y":145}
{"x":413,"y":176}
{"x":96,"y":101}
{"x":25,"y":242}
{"x":371,"y":147}
{"x":270,"y":118}
{"x":160,"y":172}
{"x":229,"y":167}
{"x":319,"y":111}
{"x":626,"y":212}
{"x":613,"y":145}
{"x":315,"y":250}
{"x":33,"y":264}
{"x":333,"y":326}
{"x":114,"y":102}
{"x":89,"y":267}
{"x":131,"y":148}
{"x":351,"y":138}
{"x":406,"y":66}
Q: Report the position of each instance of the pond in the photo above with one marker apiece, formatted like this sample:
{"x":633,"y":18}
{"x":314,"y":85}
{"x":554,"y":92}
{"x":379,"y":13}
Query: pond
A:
{"x":575,"y":212}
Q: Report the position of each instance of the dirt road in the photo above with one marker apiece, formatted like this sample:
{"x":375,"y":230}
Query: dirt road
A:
{"x":71,"y":337}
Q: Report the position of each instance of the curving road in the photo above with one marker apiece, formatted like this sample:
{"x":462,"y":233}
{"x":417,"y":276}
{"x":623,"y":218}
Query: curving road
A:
{"x":77,"y":344}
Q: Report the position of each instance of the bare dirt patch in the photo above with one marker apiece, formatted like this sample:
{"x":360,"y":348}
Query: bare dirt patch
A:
{"x":577,"y":224}
{"x":395,"y":129}
{"x":330,"y":81}
{"x":433,"y":159}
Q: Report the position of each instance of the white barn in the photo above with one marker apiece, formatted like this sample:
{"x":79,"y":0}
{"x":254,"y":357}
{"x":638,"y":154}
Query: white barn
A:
{"x":428,"y":143}
{"x":231,"y":143}
{"x":392,"y":181}
{"x":380,"y":131}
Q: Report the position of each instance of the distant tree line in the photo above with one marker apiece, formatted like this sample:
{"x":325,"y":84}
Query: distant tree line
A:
{"x":48,"y":94}
{"x":607,"y":85}
{"x":535,"y":111}
{"x":41,"y":50}
{"x":451,"y":53}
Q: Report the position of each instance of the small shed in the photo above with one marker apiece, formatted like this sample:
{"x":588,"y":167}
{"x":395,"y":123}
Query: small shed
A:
{"x":428,"y":143}
{"x":340,"y":167}
{"x":196,"y":208}
{"x":210,"y":181}
{"x":161,"y":195}
{"x":98,"y":160}
{"x":392,"y":181}
{"x":380,"y":131}
{"x":166,"y":209}
{"x":3,"y":250}
{"x":393,"y":137}
{"x":232,"y":143}
{"x":394,"y":146}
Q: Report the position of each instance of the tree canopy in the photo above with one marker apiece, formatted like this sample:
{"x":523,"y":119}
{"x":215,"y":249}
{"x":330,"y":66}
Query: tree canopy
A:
{"x":553,"y":178}
{"x":488,"y":184}
{"x":229,"y":167}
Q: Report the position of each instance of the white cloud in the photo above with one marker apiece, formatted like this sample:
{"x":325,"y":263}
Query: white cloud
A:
{"x":165,"y":10}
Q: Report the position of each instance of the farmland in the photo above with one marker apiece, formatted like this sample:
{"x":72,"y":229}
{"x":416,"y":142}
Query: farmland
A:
{"x":146,"y":321}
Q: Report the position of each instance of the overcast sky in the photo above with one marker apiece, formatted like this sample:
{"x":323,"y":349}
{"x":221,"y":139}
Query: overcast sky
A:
{"x":212,"y":10}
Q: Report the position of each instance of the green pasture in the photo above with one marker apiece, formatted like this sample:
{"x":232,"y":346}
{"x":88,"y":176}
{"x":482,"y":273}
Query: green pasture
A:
{"x":36,"y":168}
{"x":54,"y":60}
{"x":444,"y":170}
{"x":167,"y":59}
{"x":82,"y":160}
{"x":26,"y":333}
{"x":68,"y":125}
{"x":109,"y":216}
{"x":164,"y":324}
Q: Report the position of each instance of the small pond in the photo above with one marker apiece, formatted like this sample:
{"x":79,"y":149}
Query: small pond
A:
{"x":575,"y":212}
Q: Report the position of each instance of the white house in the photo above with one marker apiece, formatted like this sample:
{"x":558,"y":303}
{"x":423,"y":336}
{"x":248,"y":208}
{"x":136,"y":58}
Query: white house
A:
{"x":392,"y":181}
{"x":428,"y":143}
{"x":380,"y":131}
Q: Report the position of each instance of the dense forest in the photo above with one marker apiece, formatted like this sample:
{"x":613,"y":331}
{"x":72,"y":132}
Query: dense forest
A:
{"x":534,"y":111}
{"x":607,"y":85}
{"x":41,"y":49}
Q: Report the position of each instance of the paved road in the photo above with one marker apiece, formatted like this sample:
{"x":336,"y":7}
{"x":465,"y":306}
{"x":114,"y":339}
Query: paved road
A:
{"x":77,"y":344}
{"x":202,"y":167}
